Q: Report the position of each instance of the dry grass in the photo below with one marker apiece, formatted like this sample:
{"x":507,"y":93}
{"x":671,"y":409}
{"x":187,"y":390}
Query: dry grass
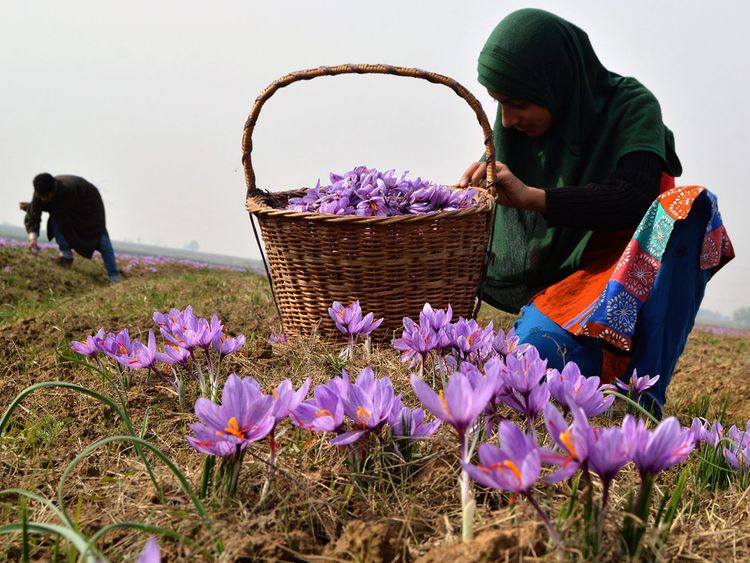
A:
{"x":319,"y":509}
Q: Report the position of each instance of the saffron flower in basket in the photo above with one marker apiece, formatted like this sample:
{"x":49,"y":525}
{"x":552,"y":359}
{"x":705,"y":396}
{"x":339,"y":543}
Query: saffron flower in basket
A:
{"x":367,"y":192}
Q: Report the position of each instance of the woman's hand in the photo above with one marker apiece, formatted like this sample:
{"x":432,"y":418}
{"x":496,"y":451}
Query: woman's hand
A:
{"x":511,"y":191}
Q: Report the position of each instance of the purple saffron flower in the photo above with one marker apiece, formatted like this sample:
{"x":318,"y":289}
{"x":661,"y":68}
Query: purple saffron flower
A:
{"x":142,"y":357}
{"x":244,"y":416}
{"x":702,"y":432}
{"x":208,"y":331}
{"x":524,"y":374}
{"x":369,"y":405}
{"x":436,"y":319}
{"x":277,"y":338}
{"x":737,"y":458}
{"x":612,"y":449}
{"x":637,"y":385}
{"x":469,"y":339}
{"x":349,"y":319}
{"x":416,"y":342}
{"x":508,"y":344}
{"x":737,"y":452}
{"x":570,"y":387}
{"x":740,"y":437}
{"x":667,"y":445}
{"x":409,"y":423}
{"x":117,"y":346}
{"x":225,"y":345}
{"x":287,"y":399}
{"x":173,"y":354}
{"x":460,"y":403}
{"x":514,"y":466}
{"x":151,"y":552}
{"x":90,"y":347}
{"x":561,"y":382}
{"x":573,"y":440}
{"x":323,"y":413}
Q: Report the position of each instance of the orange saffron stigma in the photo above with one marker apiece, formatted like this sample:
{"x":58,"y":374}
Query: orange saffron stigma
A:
{"x":442,"y":400}
{"x":123,"y":350}
{"x":565,"y":438}
{"x":362,"y":414}
{"x":275,"y":396}
{"x":323,"y":412}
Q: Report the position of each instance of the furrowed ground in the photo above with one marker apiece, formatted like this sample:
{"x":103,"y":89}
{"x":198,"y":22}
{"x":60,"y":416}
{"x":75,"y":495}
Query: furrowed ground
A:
{"x":318,"y":509}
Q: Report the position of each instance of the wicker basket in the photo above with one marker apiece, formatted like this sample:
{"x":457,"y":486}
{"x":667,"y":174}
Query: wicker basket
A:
{"x":392,"y":265}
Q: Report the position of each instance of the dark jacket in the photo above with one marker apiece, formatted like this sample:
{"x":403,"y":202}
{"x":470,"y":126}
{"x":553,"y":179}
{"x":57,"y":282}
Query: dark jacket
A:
{"x":77,"y":209}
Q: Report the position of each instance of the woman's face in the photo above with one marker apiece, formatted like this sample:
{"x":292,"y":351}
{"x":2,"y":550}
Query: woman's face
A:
{"x":529,"y":118}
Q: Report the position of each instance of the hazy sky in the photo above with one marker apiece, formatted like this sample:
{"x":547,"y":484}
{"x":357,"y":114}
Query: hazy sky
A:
{"x":147,"y":99}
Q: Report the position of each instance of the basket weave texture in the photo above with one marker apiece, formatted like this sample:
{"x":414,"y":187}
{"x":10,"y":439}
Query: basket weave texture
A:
{"x":392,"y":265}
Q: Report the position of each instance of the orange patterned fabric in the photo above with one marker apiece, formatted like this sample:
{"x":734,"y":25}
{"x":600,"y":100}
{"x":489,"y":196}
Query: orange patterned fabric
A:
{"x":602,"y":299}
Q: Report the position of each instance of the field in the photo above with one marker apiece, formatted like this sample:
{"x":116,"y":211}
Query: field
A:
{"x":319,"y":507}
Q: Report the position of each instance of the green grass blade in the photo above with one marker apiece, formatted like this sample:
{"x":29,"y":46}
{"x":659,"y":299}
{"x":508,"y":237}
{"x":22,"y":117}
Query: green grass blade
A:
{"x":158,"y":453}
{"x":93,"y":394}
{"x":163,"y":532}
{"x":74,"y":538}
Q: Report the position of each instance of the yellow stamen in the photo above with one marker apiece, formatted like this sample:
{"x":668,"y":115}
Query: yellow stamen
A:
{"x":275,"y":396}
{"x":323,"y":412}
{"x":362,"y":414}
{"x":442,"y":400}
{"x":566,"y":438}
{"x":123,"y":350}
{"x":233,"y":428}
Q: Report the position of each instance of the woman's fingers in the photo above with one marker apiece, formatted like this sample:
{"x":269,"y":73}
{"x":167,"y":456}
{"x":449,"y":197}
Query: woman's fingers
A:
{"x":476,"y":168}
{"x":479,"y":173}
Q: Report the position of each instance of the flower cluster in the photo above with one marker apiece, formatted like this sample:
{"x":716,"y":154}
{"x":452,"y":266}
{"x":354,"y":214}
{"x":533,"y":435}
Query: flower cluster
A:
{"x":153,"y":263}
{"x":245,"y":415}
{"x":352,"y":324}
{"x":734,"y":444}
{"x":449,"y":344}
{"x":367,"y":192}
{"x":352,"y":410}
{"x":187,"y":339}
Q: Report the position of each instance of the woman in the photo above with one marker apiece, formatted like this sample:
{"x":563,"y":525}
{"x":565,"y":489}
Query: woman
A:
{"x":582,"y":156}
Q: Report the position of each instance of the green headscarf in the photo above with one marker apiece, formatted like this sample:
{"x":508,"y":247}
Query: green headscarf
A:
{"x":598,"y":116}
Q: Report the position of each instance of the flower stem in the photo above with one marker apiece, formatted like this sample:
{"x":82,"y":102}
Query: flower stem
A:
{"x":467,"y":500}
{"x":553,"y":534}
{"x":234,"y":472}
{"x":602,"y":512}
{"x":271,"y":469}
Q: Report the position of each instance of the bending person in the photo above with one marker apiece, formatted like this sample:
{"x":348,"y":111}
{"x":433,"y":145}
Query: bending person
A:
{"x":606,"y":260}
{"x":76,"y":219}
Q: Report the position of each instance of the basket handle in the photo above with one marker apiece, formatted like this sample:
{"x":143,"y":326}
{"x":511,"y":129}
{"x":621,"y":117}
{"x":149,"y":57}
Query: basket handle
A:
{"x":247,"y":142}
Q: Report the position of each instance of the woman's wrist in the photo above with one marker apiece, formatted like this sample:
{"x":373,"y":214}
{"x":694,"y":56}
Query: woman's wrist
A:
{"x":536,"y":200}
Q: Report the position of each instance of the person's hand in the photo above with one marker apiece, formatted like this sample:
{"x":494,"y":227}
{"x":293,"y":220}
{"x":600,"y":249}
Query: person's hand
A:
{"x":24,"y":205}
{"x":510,"y":190}
{"x":33,"y":247}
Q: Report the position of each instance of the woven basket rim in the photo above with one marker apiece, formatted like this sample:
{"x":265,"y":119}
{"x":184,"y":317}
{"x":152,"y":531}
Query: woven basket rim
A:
{"x":258,"y":205}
